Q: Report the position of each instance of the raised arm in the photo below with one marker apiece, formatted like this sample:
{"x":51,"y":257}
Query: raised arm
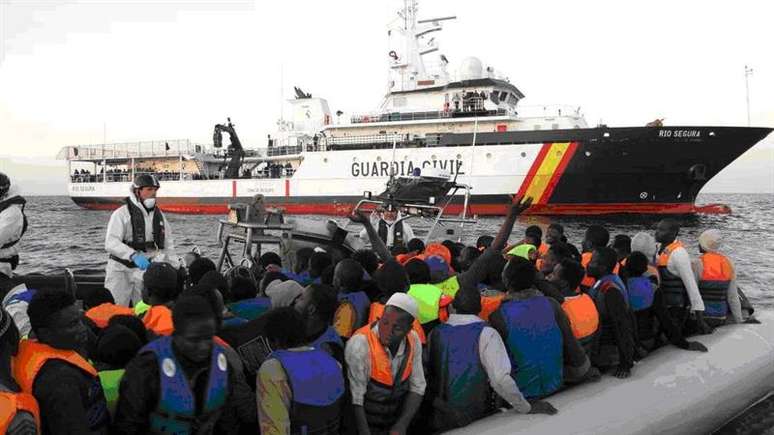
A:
{"x":517,"y":207}
{"x":376,"y":242}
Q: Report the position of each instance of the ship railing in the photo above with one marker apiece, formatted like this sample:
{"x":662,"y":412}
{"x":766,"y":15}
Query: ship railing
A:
{"x":126,"y":176}
{"x":285,"y":150}
{"x":464,"y":110}
{"x":129,"y":150}
{"x":388,"y":139}
{"x":548,"y":110}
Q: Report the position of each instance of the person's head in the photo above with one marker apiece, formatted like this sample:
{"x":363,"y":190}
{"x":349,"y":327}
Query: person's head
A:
{"x":284,"y":293}
{"x":398,"y":249}
{"x":535,"y":232}
{"x":213,"y":298}
{"x":418,"y":271}
{"x":454,"y":248}
{"x":555,"y":254}
{"x":160,"y":284}
{"x":268,"y":258}
{"x":318,"y":263}
{"x":397,"y":319}
{"x":217,"y":281}
{"x":198,"y":268}
{"x":636,"y":264}
{"x":268,"y":278}
{"x":440,"y":250}
{"x":710,"y":241}
{"x":622,"y":244}
{"x":439,"y":269}
{"x":468,"y":255}
{"x":302,"y":259}
{"x":484,"y":242}
{"x":56,"y":320}
{"x":568,"y":274}
{"x":493,"y":272}
{"x":467,"y":301}
{"x":415,"y":245}
{"x":389,"y":216}
{"x":242,"y":288}
{"x":602,"y":262}
{"x":391,"y":278}
{"x":117,"y":345}
{"x":317,"y":305}
{"x":284,"y":328}
{"x":367,"y":259}
{"x":348,"y":276}
{"x":145,"y":187}
{"x":645,"y":243}
{"x":195,"y":326}
{"x":667,"y":230}
{"x":96,"y":297}
{"x":596,"y":236}
{"x":518,"y":274}
{"x":554,"y":233}
{"x":133,"y":323}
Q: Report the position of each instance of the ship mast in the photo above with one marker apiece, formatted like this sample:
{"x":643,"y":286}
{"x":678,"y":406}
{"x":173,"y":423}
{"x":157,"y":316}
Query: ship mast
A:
{"x":409,"y":42}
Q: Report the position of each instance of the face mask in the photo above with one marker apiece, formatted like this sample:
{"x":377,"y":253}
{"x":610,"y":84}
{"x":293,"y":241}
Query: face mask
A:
{"x":149,"y":203}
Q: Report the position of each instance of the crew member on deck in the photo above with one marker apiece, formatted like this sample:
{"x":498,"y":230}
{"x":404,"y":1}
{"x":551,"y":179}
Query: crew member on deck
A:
{"x":391,"y":227}
{"x":137,"y":234}
{"x":13,"y":224}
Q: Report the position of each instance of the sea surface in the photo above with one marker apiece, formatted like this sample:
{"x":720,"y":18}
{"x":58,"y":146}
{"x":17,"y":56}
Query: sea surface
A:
{"x":62,"y":235}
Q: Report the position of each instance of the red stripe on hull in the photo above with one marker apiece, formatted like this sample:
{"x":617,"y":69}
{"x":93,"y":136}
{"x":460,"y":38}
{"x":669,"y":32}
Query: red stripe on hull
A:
{"x":558,"y":173}
{"x":533,"y":169}
{"x":341,"y":209}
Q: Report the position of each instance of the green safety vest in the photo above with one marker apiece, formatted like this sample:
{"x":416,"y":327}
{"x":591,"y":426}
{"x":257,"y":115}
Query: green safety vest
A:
{"x":450,"y":286}
{"x":428,"y":297}
{"x":141,"y":308}
{"x":110,"y":380}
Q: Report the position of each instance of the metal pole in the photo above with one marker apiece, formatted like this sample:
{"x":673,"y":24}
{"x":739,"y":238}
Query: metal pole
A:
{"x":747,"y":73}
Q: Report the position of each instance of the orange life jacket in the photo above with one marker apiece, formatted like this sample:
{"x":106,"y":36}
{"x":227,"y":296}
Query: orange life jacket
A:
{"x":489,"y":304}
{"x":12,"y":403}
{"x":101,"y":314}
{"x":384,"y":396}
{"x":31,"y":357}
{"x":381,"y":369}
{"x":158,"y":319}
{"x":582,"y":314}
{"x":376,"y":312}
{"x":717,"y":274}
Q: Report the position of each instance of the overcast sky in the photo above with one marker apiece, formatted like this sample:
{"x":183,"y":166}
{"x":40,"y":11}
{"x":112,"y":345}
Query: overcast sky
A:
{"x":72,"y":72}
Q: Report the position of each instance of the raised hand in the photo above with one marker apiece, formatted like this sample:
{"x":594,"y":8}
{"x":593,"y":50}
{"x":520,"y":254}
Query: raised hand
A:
{"x":520,"y":204}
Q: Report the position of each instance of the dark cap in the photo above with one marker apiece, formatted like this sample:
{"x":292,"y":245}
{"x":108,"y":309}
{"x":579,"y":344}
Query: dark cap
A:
{"x":160,"y":276}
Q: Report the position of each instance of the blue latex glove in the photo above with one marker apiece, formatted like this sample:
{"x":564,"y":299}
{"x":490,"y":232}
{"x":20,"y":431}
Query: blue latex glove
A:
{"x":140,"y":261}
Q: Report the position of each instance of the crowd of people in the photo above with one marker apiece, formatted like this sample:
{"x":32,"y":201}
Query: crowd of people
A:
{"x":413,"y":338}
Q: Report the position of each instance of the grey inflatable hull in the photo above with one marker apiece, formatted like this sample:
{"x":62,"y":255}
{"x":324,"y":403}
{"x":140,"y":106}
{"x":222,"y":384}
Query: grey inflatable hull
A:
{"x":670,"y":392}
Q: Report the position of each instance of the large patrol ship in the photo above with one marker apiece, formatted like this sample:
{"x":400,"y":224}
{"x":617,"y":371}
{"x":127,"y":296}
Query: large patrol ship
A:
{"x":468,"y":124}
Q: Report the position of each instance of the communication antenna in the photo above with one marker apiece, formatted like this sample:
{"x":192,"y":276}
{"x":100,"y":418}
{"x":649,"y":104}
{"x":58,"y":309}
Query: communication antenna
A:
{"x":747,"y":73}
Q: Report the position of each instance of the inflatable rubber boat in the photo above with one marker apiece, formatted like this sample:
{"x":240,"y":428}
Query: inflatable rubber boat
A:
{"x":672,"y":391}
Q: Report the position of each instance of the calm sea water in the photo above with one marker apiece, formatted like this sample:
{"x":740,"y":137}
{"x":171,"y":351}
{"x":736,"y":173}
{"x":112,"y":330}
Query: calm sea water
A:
{"x":63,"y":235}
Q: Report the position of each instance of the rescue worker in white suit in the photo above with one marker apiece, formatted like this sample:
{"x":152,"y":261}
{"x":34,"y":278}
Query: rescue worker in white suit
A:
{"x":13,"y":225}
{"x":137,"y":234}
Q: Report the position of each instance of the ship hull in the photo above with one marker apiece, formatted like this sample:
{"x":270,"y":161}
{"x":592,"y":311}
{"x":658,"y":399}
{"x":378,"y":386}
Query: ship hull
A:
{"x":640,"y":170}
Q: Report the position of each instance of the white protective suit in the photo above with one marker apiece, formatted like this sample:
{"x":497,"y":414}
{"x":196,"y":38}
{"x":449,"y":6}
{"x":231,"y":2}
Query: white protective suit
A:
{"x":11,"y":224}
{"x":123,"y":282}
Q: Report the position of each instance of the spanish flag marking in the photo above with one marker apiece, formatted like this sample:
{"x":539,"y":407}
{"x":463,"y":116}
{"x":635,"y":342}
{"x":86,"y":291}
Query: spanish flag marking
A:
{"x":547,"y":170}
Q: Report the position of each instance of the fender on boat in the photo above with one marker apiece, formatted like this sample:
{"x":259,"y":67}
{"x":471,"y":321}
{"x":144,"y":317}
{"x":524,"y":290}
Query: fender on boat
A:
{"x":672,"y":391}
